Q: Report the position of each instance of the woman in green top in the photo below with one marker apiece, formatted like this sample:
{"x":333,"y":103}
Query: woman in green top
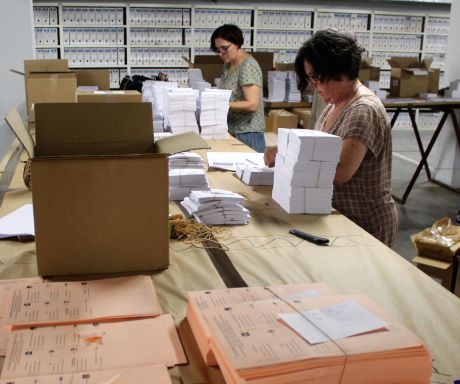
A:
{"x":241,"y":74}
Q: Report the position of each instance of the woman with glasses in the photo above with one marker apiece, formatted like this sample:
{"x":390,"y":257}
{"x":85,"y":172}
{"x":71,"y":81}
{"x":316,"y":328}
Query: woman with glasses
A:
{"x":329,"y":63}
{"x":241,"y":74}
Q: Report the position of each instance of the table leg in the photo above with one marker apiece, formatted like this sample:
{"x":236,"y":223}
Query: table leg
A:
{"x":411,"y":113}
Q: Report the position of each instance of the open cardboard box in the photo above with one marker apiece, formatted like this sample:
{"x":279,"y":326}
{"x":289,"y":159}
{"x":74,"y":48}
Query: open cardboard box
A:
{"x":100,"y":188}
{"x":409,"y":77}
{"x":280,"y":118}
{"x":93,"y":77}
{"x":368,"y":72}
{"x":211,"y":66}
{"x":48,"y":81}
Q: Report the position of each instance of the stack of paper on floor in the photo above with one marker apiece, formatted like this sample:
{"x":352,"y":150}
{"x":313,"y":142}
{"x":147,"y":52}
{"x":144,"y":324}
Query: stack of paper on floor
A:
{"x":252,"y":174}
{"x":216,"y":207}
{"x":179,"y":108}
{"x":186,"y":174}
{"x":153,"y":92}
{"x":305,"y":169}
{"x":200,"y":302}
{"x":292,"y":92}
{"x":214,"y":104}
{"x":276,"y":85}
{"x":138,"y":375}
{"x":329,"y":339}
{"x":98,"y":325}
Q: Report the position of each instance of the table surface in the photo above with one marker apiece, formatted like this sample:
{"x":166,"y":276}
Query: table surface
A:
{"x":265,"y":254}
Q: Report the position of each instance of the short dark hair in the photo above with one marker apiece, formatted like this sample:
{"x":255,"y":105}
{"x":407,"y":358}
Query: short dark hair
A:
{"x":229,"y":32}
{"x":331,"y":54}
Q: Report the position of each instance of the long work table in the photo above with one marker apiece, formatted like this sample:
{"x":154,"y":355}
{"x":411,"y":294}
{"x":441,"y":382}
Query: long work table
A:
{"x":264,"y":253}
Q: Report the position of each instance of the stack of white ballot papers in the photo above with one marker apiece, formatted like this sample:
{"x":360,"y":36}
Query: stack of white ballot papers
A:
{"x":180,"y":107}
{"x":305,"y":169}
{"x":216,"y":207}
{"x":276,"y":85}
{"x":292,"y":92}
{"x":214,"y":104}
{"x":186,"y":174}
{"x":251,"y":174}
{"x":153,"y":92}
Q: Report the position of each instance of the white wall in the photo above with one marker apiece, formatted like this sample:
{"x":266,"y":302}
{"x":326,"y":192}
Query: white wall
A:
{"x":16,"y":45}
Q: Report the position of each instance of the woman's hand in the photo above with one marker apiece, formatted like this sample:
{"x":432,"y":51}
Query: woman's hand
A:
{"x":270,"y":155}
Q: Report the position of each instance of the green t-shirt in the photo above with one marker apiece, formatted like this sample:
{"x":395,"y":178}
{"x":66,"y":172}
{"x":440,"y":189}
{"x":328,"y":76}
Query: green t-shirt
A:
{"x":246,"y":73}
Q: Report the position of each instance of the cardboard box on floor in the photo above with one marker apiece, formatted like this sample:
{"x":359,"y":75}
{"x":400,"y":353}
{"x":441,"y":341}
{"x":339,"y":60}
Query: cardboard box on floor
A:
{"x":118,"y":96}
{"x":409,"y":77}
{"x":100,"y":188}
{"x":441,"y":271}
{"x":434,"y":250}
{"x":304,"y":116}
{"x":48,"y":81}
{"x":211,"y":66}
{"x":280,"y":118}
{"x":368,"y":72}
{"x":93,"y":77}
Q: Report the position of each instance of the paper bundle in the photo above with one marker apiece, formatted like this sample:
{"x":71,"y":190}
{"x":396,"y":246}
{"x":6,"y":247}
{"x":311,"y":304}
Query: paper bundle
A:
{"x":216,"y":207}
{"x":326,"y":339}
{"x":200,"y":302}
{"x":214,"y":104}
{"x":153,"y":92}
{"x":305,"y":169}
{"x":252,"y":174}
{"x":292,"y":92}
{"x":186,"y":174}
{"x":179,"y":109}
{"x":276,"y":85}
{"x":196,"y":81}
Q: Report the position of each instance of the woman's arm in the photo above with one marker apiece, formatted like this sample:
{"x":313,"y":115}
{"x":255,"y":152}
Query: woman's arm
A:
{"x":351,"y":157}
{"x":251,"y":100}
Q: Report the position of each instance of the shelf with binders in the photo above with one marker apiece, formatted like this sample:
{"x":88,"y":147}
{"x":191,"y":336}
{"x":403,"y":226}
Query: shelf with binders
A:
{"x":93,"y":16}
{"x":159,"y":57}
{"x":47,"y":53}
{"x":111,"y":57}
{"x":437,"y":25}
{"x":269,"y":39}
{"x":46,"y":16}
{"x":159,"y":17}
{"x":394,"y":23}
{"x":343,"y":21}
{"x":215,"y":17}
{"x":107,"y":36}
{"x":396,"y":42}
{"x":283,"y":20}
{"x":179,"y":75}
{"x":142,"y":37}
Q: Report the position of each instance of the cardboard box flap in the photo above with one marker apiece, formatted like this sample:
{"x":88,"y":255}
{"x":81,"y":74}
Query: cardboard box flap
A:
{"x":180,"y":143}
{"x":93,"y":128}
{"x":367,"y":62}
{"x":426,"y":63}
{"x":14,"y":121}
{"x":403,"y":62}
{"x":51,"y":65}
{"x":93,"y":77}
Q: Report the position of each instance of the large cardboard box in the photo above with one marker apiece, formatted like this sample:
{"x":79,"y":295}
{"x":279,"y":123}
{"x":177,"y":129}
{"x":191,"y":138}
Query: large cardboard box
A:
{"x":441,"y":271}
{"x":48,"y":81}
{"x":426,"y":247}
{"x":211,"y":66}
{"x":109,"y":97}
{"x":409,"y":77}
{"x":280,"y":118}
{"x":93,"y":77}
{"x":100,"y":188}
{"x":368,"y":72}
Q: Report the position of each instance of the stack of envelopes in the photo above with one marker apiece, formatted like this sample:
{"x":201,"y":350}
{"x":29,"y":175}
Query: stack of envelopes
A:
{"x":276,"y":85}
{"x":305,"y":169}
{"x":292,"y":92}
{"x":345,"y":339}
{"x":251,"y":174}
{"x":216,"y":207}
{"x":179,"y":108}
{"x":186,"y":174}
{"x":153,"y":92}
{"x":200,"y":302}
{"x":214,"y":104}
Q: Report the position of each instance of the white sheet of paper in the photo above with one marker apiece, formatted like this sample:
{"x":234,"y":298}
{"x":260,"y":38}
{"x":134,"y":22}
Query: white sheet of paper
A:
{"x":335,"y":321}
{"x":303,"y":295}
{"x":228,"y":160}
{"x":18,"y":222}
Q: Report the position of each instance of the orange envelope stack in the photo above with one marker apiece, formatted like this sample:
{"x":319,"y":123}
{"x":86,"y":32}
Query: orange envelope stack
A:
{"x":199,"y":302}
{"x":252,"y":345}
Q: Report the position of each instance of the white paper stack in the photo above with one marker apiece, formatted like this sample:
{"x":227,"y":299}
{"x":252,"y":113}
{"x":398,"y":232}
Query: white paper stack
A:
{"x":153,"y":92}
{"x":179,"y":109}
{"x":276,"y":85}
{"x":454,"y":90}
{"x":214,"y":105}
{"x":186,"y":174}
{"x":305,"y":169}
{"x":292,"y":92}
{"x":374,"y":86}
{"x":216,"y":207}
{"x":251,"y":174}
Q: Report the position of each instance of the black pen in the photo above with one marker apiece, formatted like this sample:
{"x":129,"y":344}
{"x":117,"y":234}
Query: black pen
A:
{"x":308,"y":237}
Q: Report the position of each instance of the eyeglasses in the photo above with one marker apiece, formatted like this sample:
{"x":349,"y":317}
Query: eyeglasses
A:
{"x":313,"y":78}
{"x":220,"y":50}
